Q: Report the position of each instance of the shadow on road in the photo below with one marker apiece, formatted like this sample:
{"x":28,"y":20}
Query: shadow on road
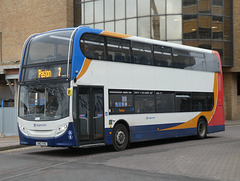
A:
{"x":81,"y":152}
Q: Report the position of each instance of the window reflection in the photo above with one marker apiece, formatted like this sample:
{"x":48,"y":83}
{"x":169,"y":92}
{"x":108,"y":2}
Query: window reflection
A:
{"x":176,"y":42}
{"x":90,"y":25}
{"x":99,"y":26}
{"x":190,"y":25}
{"x":217,"y":27}
{"x":189,"y":6}
{"x":82,"y":14}
{"x":158,"y":7}
{"x":109,"y":26}
{"x":98,"y":10}
{"x":204,"y":6}
{"x":119,"y":9}
{"x":218,"y":46}
{"x":193,"y":43}
{"x":227,"y":51}
{"x":204,"y":23}
{"x":227,"y":28}
{"x":143,"y":7}
{"x":89,"y":12}
{"x":120,"y":26}
{"x":131,"y":8}
{"x":228,"y":59}
{"x":158,"y":27}
{"x":174,"y":27}
{"x":174,"y":7}
{"x":205,"y":44}
{"x":217,"y":7}
{"x":131,"y":26}
{"x":109,"y":10}
{"x":144,"y":27}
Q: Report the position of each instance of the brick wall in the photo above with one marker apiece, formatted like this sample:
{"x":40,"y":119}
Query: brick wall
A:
{"x":22,"y":18}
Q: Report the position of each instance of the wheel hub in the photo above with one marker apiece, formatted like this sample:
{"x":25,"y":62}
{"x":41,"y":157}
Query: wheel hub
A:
{"x":120,"y":137}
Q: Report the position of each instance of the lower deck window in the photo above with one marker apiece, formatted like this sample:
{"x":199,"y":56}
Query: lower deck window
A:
{"x":135,"y":102}
{"x":144,"y":102}
{"x":165,"y":102}
{"x":183,"y":102}
{"x":121,"y":102}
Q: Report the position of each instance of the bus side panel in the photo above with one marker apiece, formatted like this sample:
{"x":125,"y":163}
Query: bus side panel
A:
{"x":154,"y":132}
{"x":218,"y":122}
{"x":108,"y":136}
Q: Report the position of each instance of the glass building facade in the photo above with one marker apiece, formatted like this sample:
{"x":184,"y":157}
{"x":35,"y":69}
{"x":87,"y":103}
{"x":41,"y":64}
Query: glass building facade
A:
{"x":199,"y":23}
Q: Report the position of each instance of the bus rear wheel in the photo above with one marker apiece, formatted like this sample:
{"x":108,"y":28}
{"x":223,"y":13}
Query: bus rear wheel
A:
{"x":120,"y":137}
{"x":202,"y":128}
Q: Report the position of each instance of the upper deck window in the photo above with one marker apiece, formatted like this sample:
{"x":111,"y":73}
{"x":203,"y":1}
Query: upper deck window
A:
{"x":49,"y":47}
{"x":100,"y":47}
{"x":92,"y":46}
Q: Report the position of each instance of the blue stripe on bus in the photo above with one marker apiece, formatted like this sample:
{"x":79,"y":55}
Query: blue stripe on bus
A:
{"x":68,"y":139}
{"x":77,"y":56}
{"x":213,"y":129}
{"x":146,"y":133}
{"x":138,"y":133}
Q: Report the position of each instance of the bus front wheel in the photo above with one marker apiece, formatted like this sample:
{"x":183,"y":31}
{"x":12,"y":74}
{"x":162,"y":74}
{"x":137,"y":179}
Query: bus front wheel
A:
{"x":120,"y":137}
{"x":202,"y":128}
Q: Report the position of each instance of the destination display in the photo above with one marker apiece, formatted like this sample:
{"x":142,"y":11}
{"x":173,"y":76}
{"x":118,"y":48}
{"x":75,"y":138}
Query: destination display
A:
{"x":48,"y":73}
{"x":45,"y":72}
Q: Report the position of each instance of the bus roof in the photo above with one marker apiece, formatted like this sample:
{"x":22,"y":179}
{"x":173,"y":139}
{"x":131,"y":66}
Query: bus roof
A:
{"x":86,"y":29}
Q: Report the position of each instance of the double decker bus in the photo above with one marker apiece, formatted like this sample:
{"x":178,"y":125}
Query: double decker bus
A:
{"x":88,"y":87}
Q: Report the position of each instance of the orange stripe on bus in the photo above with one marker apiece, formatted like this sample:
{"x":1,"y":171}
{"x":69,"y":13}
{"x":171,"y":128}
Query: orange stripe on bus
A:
{"x":84,"y":67}
{"x":208,"y":115}
{"x":116,"y":35}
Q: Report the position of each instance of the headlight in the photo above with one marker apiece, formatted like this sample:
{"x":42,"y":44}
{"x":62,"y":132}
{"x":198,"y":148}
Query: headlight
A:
{"x":22,"y":129}
{"x":61,"y":129}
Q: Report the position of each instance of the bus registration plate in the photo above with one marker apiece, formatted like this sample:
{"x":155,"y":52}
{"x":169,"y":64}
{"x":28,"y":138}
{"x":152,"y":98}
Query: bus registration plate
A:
{"x":41,"y":143}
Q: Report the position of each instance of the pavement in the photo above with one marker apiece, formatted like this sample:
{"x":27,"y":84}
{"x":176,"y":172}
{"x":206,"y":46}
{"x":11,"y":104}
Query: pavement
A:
{"x":12,"y":142}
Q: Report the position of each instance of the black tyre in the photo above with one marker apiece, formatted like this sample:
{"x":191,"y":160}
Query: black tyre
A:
{"x":202,"y":128}
{"x":120,"y":137}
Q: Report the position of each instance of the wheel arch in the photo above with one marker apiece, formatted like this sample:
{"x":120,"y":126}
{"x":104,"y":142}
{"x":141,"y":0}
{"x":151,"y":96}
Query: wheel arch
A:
{"x":124,"y":122}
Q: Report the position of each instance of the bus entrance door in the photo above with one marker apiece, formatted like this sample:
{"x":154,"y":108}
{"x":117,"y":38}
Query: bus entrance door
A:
{"x":91,"y":118}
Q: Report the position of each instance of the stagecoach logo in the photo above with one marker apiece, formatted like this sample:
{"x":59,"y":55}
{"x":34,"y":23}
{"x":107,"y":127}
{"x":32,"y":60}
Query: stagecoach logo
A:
{"x":147,"y":118}
{"x":39,"y":125}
